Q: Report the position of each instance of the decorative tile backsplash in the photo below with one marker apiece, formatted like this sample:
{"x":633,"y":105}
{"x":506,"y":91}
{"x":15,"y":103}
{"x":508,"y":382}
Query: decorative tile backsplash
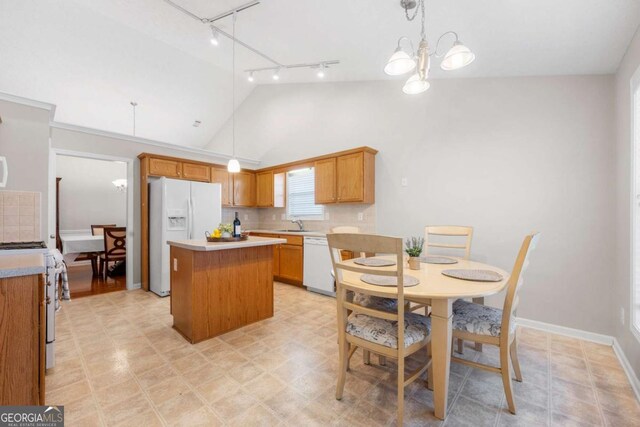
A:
{"x":19,"y":216}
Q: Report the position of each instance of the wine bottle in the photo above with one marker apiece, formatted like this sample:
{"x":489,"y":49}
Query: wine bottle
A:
{"x":237,"y":232}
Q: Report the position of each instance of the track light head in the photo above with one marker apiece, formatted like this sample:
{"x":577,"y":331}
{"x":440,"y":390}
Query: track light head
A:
{"x":215,"y":37}
{"x":320,"y":73}
{"x":276,"y":75}
{"x":250,"y":78}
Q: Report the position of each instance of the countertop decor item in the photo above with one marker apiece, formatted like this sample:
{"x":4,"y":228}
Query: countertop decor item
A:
{"x":374,"y":262}
{"x":373,"y":279}
{"x":474,"y":275}
{"x":413,"y":248}
{"x":213,"y":239}
{"x":438,"y":260}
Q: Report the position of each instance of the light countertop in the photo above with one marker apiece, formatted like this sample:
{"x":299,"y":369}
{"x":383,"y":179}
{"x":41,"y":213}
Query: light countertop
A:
{"x":21,"y":265}
{"x":292,"y":233}
{"x":203,"y":245}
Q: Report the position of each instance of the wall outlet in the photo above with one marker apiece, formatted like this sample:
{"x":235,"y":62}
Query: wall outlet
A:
{"x":360,"y":216}
{"x":273,"y":217}
{"x":327,"y":217}
{"x":246,"y":217}
{"x":622,"y":316}
{"x":404,"y":182}
{"x":175,"y":264}
{"x":283,"y":217}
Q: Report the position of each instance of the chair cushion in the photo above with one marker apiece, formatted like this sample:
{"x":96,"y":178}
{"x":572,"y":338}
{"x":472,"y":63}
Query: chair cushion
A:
{"x":378,"y":303}
{"x":477,"y":318}
{"x":385,"y":332}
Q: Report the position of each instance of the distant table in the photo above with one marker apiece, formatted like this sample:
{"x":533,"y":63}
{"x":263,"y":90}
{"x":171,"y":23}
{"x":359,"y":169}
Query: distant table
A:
{"x":81,"y":243}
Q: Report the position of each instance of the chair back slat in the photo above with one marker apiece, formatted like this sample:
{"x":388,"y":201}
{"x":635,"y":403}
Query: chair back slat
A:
{"x":453,"y":231}
{"x":98,"y":229}
{"x":516,"y":281}
{"x":115,"y":241}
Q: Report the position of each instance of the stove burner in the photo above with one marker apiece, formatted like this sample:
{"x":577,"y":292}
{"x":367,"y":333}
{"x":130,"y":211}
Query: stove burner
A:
{"x":23,"y":245}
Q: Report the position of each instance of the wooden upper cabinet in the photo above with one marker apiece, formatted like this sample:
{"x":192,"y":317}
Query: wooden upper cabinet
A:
{"x":356,"y":178}
{"x":264,"y":189}
{"x":196,"y":172}
{"x":222,"y":176}
{"x":325,"y":181}
{"x":165,"y":167}
{"x":244,"y":189}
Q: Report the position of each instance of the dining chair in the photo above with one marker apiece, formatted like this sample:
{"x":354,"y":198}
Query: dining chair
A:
{"x":443,"y":237}
{"x":115,"y":247}
{"x":494,"y":326}
{"x":394,"y":334}
{"x":387,"y":304}
{"x":98,"y":229}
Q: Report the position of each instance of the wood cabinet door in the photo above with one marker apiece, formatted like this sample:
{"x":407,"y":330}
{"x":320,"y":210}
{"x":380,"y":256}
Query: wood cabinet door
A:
{"x":291,"y":262}
{"x":222,"y":176}
{"x":350,"y":178}
{"x":196,"y":172}
{"x":244,"y":189}
{"x":264,"y":189}
{"x":164,"y":167}
{"x":325,"y":181}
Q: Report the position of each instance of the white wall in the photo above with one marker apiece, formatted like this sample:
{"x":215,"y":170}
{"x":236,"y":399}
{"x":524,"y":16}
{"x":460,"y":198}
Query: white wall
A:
{"x":87,"y":194}
{"x":24,"y":141}
{"x":621,"y":287}
{"x":508,"y":156}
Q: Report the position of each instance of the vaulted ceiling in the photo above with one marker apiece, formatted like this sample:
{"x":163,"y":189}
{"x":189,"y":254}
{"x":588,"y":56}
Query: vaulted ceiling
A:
{"x":92,"y":57}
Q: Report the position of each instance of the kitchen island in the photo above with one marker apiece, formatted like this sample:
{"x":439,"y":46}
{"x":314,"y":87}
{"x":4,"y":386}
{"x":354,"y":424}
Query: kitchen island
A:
{"x":219,"y":287}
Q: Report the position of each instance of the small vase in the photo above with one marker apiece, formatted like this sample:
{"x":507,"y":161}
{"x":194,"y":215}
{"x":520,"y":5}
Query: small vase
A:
{"x":226,"y":234}
{"x":414,"y":263}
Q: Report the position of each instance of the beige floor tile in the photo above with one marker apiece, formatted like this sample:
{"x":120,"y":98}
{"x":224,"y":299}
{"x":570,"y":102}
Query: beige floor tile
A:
{"x":69,"y":393}
{"x":179,"y":406}
{"x":119,"y":413}
{"x":167,"y":389}
{"x":200,"y":417}
{"x":233,"y":404}
{"x":156,"y":375}
{"x":217,"y":388}
{"x":264,"y":387}
{"x":117,"y":393}
{"x":286,"y":402}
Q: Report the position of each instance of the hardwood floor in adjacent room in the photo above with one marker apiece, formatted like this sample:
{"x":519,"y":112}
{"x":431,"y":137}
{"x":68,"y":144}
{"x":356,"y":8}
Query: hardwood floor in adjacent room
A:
{"x":83,"y":283}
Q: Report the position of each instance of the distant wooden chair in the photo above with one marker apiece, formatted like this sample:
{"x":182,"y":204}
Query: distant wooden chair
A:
{"x":115,"y":247}
{"x":393,"y":334}
{"x":98,"y":229}
{"x":488,"y":325}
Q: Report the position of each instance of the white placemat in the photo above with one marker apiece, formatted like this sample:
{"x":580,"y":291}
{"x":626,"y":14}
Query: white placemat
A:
{"x":374,"y":262}
{"x":373,"y":279}
{"x":474,"y":275}
{"x":438,"y":260}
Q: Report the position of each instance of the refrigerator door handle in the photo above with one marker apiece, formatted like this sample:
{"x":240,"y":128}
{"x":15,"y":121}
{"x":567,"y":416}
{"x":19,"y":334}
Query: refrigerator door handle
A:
{"x":190,"y":218}
{"x":5,"y":171}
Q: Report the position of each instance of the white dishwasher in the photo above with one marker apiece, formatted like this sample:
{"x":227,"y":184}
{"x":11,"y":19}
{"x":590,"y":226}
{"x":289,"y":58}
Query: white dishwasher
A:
{"x":317,"y":266}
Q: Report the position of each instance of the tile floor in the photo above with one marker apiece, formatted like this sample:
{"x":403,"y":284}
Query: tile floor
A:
{"x":119,"y":362}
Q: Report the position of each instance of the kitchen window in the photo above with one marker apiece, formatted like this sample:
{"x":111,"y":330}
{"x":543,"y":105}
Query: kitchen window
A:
{"x":301,"y":195}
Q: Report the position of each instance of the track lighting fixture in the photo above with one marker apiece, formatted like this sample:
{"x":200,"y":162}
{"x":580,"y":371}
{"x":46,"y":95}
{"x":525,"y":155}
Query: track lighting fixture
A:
{"x":250,"y":78}
{"x":320,"y":72}
{"x":276,"y":74}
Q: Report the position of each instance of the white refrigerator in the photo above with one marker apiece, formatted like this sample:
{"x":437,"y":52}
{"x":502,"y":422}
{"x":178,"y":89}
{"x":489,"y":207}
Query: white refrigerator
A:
{"x":178,"y":210}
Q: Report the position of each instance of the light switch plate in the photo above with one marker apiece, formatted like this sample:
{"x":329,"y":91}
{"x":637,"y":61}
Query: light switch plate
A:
{"x":404,"y":182}
{"x":327,"y":217}
{"x":246,"y":217}
{"x":360,"y":216}
{"x":283,"y":217}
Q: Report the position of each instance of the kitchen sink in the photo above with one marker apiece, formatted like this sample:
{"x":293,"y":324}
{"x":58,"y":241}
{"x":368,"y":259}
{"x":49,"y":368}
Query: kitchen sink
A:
{"x":294,"y":231}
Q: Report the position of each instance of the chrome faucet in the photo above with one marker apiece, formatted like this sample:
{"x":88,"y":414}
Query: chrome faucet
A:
{"x":299,"y":222}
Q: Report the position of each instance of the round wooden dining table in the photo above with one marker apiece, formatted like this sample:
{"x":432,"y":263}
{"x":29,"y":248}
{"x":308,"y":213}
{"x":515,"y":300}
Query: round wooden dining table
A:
{"x":439,"y":291}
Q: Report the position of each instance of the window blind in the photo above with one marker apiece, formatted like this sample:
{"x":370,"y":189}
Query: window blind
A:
{"x":301,"y":194}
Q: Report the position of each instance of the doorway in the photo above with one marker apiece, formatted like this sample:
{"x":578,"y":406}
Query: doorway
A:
{"x":90,"y":195}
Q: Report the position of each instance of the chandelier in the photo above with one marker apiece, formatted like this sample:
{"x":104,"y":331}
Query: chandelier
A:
{"x":403,"y":62}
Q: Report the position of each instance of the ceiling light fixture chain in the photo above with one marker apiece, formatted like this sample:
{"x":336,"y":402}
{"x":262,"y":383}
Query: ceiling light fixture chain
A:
{"x":233,"y":166}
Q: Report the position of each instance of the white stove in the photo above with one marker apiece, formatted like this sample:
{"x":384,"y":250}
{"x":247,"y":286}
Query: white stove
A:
{"x":51,"y":288}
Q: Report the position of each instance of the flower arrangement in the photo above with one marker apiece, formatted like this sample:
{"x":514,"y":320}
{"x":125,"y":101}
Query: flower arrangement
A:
{"x":413,"y":246}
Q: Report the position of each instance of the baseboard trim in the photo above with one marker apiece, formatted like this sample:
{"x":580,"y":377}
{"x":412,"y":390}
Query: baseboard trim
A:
{"x":633,"y":380}
{"x":568,"y":332}
{"x":136,"y":286}
{"x":588,"y":336}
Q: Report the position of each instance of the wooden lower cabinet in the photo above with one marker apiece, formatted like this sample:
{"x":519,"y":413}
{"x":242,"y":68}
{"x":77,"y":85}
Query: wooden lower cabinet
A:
{"x":291,"y":263}
{"x":288,"y":259}
{"x":22,"y":340}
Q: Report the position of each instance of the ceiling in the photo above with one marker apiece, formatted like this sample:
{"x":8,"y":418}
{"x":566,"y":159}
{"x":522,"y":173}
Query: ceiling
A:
{"x":92,"y":57}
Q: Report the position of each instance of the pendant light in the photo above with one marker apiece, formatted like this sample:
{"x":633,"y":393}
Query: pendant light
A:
{"x":400,"y":62}
{"x":233,"y":166}
{"x":457,"y":57}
